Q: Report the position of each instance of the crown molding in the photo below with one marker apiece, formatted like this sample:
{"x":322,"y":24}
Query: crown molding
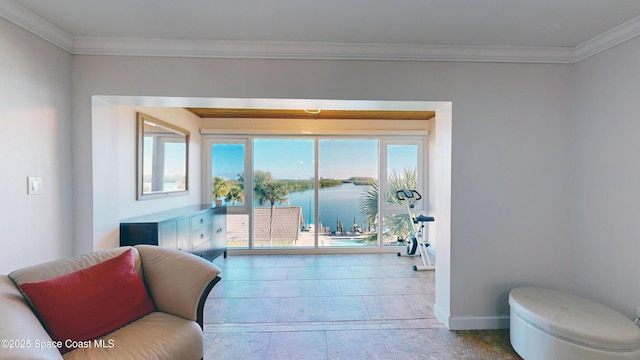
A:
{"x":619,"y":34}
{"x":24,"y":18}
{"x":316,"y":50}
{"x":33,"y":23}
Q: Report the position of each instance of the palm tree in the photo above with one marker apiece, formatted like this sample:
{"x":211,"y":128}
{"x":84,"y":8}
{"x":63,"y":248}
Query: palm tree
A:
{"x":398,"y":224}
{"x":220,"y":188}
{"x":397,"y":181}
{"x":272,"y":192}
{"x":369,"y":204}
{"x":260,"y":176}
{"x":401,"y":224}
{"x":234,"y":195}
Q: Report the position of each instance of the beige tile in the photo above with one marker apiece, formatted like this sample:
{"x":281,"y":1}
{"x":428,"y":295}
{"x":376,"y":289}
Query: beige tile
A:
{"x":238,"y":346}
{"x":301,"y":309}
{"x":356,"y":344}
{"x":256,"y":310}
{"x":311,"y":345}
{"x":388,"y":307}
{"x":341,"y":308}
{"x":369,"y":306}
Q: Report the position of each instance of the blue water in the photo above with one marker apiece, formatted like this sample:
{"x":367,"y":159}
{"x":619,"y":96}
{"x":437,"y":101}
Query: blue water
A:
{"x":336,"y":203}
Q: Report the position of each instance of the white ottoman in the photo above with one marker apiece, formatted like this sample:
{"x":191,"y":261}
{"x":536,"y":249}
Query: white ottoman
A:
{"x":549,"y":324}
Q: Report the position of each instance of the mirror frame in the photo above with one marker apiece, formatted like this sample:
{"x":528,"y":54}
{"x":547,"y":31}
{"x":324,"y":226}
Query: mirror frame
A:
{"x":141,"y":120}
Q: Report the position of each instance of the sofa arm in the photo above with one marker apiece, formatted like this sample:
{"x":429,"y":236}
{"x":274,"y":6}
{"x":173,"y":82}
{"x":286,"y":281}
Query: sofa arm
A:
{"x":21,"y":333}
{"x":178,"y":282}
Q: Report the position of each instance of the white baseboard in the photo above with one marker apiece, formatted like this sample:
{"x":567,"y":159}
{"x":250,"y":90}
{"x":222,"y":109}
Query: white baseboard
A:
{"x":440,"y":315}
{"x":472,"y":322}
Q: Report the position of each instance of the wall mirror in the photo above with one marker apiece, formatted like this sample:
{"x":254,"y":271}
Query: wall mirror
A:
{"x":163,"y":158}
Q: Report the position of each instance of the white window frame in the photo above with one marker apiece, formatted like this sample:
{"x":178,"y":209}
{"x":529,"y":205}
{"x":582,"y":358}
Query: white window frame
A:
{"x":421,"y":172}
{"x":419,"y":138}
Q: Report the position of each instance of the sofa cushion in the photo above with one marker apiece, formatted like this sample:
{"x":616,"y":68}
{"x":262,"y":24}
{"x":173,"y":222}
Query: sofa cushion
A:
{"x":91,"y":302}
{"x":65,"y":266}
{"x":155,"y":336}
{"x":21,"y":327}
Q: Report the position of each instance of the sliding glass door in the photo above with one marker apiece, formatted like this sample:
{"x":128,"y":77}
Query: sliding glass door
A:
{"x":401,"y":169}
{"x":283,"y":188}
{"x":347,"y":202}
{"x":316,"y":192}
{"x":229,"y":187}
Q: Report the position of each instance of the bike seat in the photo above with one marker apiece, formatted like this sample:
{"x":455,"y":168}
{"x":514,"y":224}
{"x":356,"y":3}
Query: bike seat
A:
{"x":422,"y":218}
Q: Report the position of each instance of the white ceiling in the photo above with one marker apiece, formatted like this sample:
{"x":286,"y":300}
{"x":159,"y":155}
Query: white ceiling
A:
{"x":305,"y":28}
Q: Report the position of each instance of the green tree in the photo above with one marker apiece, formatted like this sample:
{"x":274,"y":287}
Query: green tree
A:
{"x":272,"y":192}
{"x":369,"y":204}
{"x":260,"y":176}
{"x":401,"y":224}
{"x":241,"y":180}
{"x":398,"y":224}
{"x":234,"y":195}
{"x":220,"y":187}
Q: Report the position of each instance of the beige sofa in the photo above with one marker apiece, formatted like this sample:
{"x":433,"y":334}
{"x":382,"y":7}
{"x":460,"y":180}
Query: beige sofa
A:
{"x":178,"y":284}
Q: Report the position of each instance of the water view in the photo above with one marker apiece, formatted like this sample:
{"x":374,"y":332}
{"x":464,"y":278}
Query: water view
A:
{"x":340,"y":220}
{"x":284,"y":193}
{"x":339,"y":205}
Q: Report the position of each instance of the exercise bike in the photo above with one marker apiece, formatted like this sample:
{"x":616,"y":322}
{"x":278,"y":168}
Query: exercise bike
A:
{"x":418,"y":237}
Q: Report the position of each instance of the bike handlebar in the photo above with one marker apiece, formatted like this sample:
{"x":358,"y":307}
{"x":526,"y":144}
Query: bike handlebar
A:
{"x":408,"y":194}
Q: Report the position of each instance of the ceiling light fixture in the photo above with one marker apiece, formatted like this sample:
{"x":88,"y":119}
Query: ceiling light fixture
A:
{"x":313,"y":112}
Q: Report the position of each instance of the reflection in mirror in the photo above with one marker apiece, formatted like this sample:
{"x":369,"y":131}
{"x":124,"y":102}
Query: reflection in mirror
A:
{"x":162,"y":158}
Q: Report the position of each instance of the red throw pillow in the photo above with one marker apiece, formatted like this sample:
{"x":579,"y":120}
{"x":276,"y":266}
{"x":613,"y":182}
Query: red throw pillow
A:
{"x":91,"y":302}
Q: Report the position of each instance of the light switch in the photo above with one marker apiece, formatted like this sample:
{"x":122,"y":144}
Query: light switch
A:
{"x":34,"y":185}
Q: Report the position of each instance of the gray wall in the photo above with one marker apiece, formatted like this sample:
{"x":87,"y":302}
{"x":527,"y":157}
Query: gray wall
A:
{"x":510,"y":151}
{"x":544,"y":188}
{"x":606,"y":125}
{"x":35,"y":119}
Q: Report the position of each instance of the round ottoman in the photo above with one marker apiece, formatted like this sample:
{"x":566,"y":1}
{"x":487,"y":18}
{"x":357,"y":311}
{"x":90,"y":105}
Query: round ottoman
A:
{"x":549,"y":324}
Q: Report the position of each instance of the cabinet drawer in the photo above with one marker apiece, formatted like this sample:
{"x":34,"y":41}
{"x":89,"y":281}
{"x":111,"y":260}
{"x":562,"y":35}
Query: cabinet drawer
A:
{"x":202,"y":249}
{"x":198,"y":227}
{"x":200,"y":236}
{"x":200,"y":221}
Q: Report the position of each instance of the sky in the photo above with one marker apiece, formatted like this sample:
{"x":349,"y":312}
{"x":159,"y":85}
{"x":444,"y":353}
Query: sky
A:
{"x":227,"y":160}
{"x":175,"y":157}
{"x":294,"y":158}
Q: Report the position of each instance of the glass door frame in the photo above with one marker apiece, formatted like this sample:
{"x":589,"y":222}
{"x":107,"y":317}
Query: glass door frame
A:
{"x":251,"y":157}
{"x":421,"y":206}
{"x":411,"y":138}
{"x":421,"y":172}
{"x":207,"y":176}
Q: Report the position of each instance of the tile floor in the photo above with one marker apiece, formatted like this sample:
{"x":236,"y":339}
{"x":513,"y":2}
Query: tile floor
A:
{"x":365,"y":306}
